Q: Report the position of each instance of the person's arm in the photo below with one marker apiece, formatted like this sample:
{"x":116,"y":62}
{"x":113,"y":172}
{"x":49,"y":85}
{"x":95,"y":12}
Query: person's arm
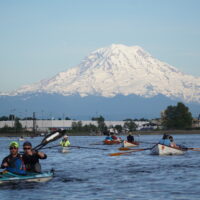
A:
{"x":41,"y":155}
{"x":4,"y":163}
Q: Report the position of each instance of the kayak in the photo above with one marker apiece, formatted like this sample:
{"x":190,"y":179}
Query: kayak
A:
{"x":8,"y":177}
{"x":64,"y":150}
{"x":129,"y":144}
{"x":160,"y":149}
{"x":109,"y":142}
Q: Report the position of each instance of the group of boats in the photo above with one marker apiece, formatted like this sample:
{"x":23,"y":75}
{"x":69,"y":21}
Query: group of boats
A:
{"x":156,"y":149}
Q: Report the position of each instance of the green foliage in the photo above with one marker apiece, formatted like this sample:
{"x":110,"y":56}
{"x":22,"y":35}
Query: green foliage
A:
{"x":130,"y":125}
{"x":119,"y":128}
{"x":177,"y":117}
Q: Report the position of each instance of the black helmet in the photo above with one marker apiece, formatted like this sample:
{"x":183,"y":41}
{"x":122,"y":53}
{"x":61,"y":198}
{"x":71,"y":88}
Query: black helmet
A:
{"x":27,"y":143}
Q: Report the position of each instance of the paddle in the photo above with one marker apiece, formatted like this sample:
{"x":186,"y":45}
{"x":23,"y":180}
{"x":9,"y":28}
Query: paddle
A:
{"x":87,"y":147}
{"x":124,"y":153}
{"x":58,"y":145}
{"x":50,"y":138}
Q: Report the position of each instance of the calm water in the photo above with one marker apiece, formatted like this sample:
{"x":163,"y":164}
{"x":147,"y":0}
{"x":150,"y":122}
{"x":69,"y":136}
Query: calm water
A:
{"x":88,"y":174}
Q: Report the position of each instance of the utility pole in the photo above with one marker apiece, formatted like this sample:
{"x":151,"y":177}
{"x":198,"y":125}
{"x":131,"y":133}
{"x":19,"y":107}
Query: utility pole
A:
{"x":34,"y":124}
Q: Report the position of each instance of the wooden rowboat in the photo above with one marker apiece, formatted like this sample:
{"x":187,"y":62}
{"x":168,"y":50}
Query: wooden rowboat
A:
{"x":160,"y":149}
{"x":129,"y":144}
{"x":110,"y":142}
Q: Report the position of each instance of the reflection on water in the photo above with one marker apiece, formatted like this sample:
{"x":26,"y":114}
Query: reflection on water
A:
{"x":91,"y":174}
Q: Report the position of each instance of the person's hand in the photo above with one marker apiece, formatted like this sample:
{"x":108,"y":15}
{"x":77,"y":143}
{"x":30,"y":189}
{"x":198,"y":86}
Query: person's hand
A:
{"x":5,"y":164}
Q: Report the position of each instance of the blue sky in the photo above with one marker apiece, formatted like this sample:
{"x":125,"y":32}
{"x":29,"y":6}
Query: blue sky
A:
{"x":39,"y":39}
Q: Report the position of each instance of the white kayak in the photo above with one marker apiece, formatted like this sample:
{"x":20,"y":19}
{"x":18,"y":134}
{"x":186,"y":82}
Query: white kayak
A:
{"x":9,"y":177}
{"x":160,"y":149}
{"x":64,"y":149}
{"x":129,"y":144}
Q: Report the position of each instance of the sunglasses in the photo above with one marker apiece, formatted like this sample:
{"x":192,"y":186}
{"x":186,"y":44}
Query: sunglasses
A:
{"x":28,"y":148}
{"x":13,"y":148}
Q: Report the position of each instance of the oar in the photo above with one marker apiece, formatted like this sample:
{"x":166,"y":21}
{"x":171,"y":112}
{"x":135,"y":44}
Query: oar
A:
{"x":148,"y":142}
{"x":99,"y":143}
{"x":124,"y":153}
{"x":50,"y":138}
{"x":87,"y":147}
{"x":124,"y":149}
{"x":193,"y":149}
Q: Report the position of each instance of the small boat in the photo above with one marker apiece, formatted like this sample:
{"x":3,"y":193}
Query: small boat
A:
{"x":160,"y":149}
{"x":64,"y":150}
{"x":129,"y":144}
{"x":110,"y":142}
{"x":8,"y":177}
{"x":21,"y":138}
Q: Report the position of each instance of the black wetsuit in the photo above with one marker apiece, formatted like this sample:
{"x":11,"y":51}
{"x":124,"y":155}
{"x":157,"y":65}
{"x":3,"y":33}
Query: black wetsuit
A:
{"x":130,"y":138}
{"x":32,"y":162}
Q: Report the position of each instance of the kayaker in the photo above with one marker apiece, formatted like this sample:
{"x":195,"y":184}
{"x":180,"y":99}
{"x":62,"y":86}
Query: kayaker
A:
{"x":130,"y":138}
{"x":14,"y":162}
{"x":65,"y":142}
{"x":165,"y":140}
{"x":31,"y":158}
{"x":108,"y":137}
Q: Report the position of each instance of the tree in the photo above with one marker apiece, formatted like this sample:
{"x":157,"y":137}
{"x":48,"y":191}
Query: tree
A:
{"x":118,"y":128}
{"x":130,"y":125}
{"x":18,"y":126}
{"x":177,"y":117}
{"x":101,"y":124}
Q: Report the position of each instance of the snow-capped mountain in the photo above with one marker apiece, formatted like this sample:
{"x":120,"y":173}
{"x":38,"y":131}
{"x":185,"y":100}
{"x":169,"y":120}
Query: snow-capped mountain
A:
{"x":120,"y":70}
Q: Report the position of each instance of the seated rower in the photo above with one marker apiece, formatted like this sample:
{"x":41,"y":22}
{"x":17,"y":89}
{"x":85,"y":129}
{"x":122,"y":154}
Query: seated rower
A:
{"x":130,"y":138}
{"x":31,"y":158}
{"x":108,"y":137}
{"x":172,"y":143}
{"x":165,"y":140}
{"x":65,"y":142}
{"x":13,"y":162}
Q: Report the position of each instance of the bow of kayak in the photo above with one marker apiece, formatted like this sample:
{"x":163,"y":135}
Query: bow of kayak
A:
{"x":8,"y":177}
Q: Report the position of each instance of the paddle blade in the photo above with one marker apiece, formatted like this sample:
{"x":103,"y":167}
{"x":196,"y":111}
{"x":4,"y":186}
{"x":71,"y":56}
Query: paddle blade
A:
{"x":53,"y":136}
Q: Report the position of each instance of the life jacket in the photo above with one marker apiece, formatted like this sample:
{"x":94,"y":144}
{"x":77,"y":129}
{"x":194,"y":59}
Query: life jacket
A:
{"x":65,"y":143}
{"x":17,"y":166}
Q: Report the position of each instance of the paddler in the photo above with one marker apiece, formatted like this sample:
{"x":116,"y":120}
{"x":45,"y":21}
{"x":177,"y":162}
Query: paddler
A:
{"x":14,"y":162}
{"x":31,"y":158}
{"x":65,"y":141}
{"x":130,"y":138}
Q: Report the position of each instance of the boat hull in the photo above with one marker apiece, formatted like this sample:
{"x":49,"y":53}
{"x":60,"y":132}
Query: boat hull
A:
{"x":9,"y":177}
{"x":129,"y":144}
{"x":160,"y":149}
{"x":110,"y":142}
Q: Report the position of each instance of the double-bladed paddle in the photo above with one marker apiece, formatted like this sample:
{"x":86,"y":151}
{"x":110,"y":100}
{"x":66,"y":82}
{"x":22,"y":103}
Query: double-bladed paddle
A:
{"x":50,"y":138}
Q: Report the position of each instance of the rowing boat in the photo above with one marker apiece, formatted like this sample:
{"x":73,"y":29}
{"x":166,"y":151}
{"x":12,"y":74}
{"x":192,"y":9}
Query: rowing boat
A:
{"x":110,"y":142}
{"x":8,"y":177}
{"x":129,"y":144}
{"x":160,"y":149}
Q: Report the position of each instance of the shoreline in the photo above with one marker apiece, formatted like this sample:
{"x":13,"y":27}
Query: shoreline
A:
{"x":161,"y":132}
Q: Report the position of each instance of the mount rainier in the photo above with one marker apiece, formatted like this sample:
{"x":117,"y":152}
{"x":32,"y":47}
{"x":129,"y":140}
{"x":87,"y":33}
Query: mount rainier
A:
{"x":112,"y":72}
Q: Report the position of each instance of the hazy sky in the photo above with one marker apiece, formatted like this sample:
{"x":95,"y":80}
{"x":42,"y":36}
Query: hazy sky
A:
{"x":41,"y":38}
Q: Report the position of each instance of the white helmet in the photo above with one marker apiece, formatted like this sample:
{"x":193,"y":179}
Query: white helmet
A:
{"x":65,"y":137}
